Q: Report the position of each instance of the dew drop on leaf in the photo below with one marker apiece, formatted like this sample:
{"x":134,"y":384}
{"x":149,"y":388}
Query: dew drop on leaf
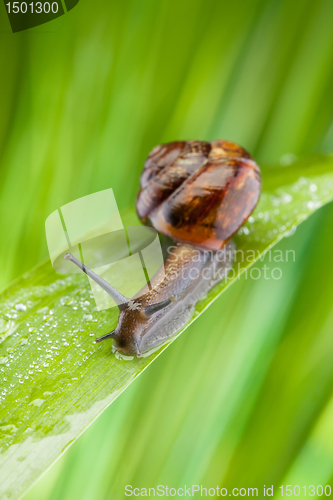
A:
{"x":20,"y":307}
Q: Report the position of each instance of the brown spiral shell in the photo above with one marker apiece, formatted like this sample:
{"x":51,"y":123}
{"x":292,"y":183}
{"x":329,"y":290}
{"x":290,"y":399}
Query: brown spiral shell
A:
{"x":198,"y":192}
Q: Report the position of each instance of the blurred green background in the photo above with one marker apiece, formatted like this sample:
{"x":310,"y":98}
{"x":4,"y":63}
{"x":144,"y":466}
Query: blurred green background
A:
{"x":244,"y":397}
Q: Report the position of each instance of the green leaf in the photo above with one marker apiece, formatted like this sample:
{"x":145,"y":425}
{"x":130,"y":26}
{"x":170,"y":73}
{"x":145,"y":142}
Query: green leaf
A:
{"x":55,"y":381}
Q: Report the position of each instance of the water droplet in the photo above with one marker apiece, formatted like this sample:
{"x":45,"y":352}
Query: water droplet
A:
{"x":291,"y":231}
{"x":286,"y":198}
{"x":3,"y":360}
{"x":287,"y":159}
{"x":87,"y":317}
{"x":43,"y":310}
{"x":37,"y":402}
{"x":121,"y":356}
{"x":20,"y":307}
{"x":313,"y":204}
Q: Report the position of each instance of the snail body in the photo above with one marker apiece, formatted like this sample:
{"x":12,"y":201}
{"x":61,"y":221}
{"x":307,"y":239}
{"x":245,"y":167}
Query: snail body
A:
{"x":199,"y":194}
{"x":186,"y":276}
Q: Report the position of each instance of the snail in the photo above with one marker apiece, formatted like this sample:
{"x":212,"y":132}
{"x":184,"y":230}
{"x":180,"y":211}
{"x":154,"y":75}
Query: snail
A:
{"x":199,"y":194}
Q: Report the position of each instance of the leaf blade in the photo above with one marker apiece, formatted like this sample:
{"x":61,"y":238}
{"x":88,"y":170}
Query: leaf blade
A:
{"x":56,"y":382}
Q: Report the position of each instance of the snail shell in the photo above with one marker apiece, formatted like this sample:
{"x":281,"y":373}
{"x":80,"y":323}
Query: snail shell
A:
{"x":198,"y":192}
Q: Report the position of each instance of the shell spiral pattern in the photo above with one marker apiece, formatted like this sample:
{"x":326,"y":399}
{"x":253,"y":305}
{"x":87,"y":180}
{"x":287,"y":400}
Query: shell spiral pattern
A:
{"x":198,"y":192}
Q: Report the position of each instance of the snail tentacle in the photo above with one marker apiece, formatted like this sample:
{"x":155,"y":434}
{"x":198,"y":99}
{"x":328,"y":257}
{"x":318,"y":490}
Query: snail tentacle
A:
{"x":119,"y":299}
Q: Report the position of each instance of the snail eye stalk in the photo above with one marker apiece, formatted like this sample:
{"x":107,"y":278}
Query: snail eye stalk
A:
{"x":119,"y":299}
{"x":153,"y":308}
{"x":110,"y":335}
{"x":137,"y":348}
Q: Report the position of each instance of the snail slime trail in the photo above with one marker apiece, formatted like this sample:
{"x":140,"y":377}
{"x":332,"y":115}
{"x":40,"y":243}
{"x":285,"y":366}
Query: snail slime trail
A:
{"x":199,"y":194}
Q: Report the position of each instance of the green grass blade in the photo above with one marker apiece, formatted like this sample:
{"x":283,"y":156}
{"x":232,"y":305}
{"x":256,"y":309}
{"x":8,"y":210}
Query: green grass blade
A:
{"x":55,"y":382}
